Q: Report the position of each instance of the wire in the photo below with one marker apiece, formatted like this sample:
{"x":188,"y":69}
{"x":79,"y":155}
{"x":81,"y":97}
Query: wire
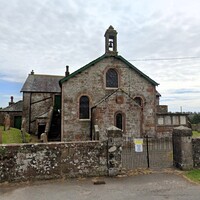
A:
{"x":175,"y":58}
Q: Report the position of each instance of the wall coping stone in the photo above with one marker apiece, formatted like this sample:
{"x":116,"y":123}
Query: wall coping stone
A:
{"x":182,"y":131}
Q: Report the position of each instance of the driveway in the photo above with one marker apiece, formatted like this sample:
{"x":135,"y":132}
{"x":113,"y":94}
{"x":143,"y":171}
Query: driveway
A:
{"x":157,"y":185}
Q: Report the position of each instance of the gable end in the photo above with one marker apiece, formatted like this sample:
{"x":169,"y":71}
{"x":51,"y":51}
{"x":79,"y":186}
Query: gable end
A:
{"x":106,"y":56}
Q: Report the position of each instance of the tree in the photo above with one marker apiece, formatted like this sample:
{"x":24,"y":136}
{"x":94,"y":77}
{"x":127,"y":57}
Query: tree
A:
{"x":195,"y":118}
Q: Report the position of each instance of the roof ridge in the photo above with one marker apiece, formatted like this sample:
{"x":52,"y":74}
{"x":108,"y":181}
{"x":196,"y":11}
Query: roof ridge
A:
{"x":46,"y":75}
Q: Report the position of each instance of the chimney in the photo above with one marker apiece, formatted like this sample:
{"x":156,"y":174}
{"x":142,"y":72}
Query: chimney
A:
{"x":11,"y":101}
{"x":32,"y":72}
{"x":67,"y":71}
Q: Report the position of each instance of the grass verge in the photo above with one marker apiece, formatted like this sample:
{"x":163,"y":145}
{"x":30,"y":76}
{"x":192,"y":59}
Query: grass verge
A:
{"x":13,"y":136}
{"x":195,"y":134}
{"x":193,"y":175}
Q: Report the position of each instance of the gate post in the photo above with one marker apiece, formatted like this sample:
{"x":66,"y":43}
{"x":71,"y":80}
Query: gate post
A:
{"x":182,"y":148}
{"x":115,"y":142}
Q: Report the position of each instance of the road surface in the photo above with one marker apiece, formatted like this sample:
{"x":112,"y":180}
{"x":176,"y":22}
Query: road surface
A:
{"x":155,"y":186}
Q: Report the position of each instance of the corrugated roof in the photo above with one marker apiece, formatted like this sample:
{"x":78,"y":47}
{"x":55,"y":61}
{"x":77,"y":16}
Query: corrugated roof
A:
{"x":42,"y":83}
{"x":15,"y":107}
{"x":106,"y":56}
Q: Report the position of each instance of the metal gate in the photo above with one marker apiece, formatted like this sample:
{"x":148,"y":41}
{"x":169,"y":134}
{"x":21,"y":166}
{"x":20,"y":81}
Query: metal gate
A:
{"x":156,"y":153}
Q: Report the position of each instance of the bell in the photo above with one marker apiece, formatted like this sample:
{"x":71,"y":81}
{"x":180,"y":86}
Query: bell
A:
{"x":110,"y":45}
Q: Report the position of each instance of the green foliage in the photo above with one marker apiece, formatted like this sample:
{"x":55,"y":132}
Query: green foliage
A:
{"x":194,"y":118}
{"x":194,"y":175}
{"x":13,"y":136}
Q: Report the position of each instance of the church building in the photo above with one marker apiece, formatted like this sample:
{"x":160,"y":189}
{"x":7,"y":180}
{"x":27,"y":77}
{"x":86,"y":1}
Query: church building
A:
{"x":109,"y":91}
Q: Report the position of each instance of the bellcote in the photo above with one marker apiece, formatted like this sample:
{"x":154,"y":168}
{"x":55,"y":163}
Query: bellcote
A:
{"x":111,"y":41}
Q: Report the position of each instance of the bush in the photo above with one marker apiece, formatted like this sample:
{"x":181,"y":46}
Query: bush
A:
{"x":194,"y":118}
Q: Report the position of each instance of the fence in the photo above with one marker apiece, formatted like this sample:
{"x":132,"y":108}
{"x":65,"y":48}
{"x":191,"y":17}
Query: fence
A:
{"x":155,"y":153}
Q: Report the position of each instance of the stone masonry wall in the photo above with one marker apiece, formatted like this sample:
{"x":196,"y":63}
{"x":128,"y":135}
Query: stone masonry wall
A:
{"x":26,"y":108}
{"x":105,"y":112}
{"x":182,"y":148}
{"x":196,"y":152}
{"x":12,"y":117}
{"x":40,"y":104}
{"x":91,"y":82}
{"x":52,"y":160}
{"x":115,"y":141}
{"x":162,"y":109}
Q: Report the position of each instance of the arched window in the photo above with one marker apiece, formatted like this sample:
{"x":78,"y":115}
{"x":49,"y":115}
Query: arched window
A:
{"x":84,"y":107}
{"x":112,"y":78}
{"x":119,"y":120}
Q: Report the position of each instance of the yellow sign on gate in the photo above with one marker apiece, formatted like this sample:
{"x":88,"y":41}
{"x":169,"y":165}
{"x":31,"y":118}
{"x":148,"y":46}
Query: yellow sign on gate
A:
{"x":138,"y":144}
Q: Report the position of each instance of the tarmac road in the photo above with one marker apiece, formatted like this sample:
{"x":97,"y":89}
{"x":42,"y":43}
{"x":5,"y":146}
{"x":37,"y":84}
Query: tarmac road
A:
{"x":155,"y":186}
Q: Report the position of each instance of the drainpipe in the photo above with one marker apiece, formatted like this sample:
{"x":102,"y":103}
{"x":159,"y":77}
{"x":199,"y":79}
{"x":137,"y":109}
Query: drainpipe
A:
{"x":142,"y":121}
{"x":91,"y":121}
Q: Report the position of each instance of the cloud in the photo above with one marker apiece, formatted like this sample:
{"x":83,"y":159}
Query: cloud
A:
{"x":185,"y":91}
{"x":48,"y":35}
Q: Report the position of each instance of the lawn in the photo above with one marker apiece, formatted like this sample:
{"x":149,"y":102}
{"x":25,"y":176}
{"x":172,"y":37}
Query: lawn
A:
{"x":195,"y":134}
{"x":193,"y":175}
{"x":13,"y":136}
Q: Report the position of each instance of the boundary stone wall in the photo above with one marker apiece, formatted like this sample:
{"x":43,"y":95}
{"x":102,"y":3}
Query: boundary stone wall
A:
{"x":196,"y":152}
{"x":27,"y":162}
{"x":115,"y":143}
{"x":52,"y":160}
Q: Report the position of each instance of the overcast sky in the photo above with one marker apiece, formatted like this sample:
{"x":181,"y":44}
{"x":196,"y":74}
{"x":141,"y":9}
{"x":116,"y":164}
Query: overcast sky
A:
{"x":47,"y":35}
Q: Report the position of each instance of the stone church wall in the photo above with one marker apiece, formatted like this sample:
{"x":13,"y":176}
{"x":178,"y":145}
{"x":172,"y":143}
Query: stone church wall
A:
{"x":105,"y":112}
{"x":91,"y":82}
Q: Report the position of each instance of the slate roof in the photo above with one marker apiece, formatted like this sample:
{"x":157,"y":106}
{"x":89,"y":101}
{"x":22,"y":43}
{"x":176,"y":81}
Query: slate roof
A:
{"x":15,"y":107}
{"x":158,"y":94}
{"x":106,"y":56}
{"x":42,"y":83}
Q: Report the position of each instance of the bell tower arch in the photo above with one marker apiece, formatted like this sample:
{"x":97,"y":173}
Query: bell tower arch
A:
{"x":111,"y":41}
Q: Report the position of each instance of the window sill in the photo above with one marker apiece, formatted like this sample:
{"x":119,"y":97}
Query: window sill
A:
{"x":84,"y":120}
{"x":107,"y":88}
